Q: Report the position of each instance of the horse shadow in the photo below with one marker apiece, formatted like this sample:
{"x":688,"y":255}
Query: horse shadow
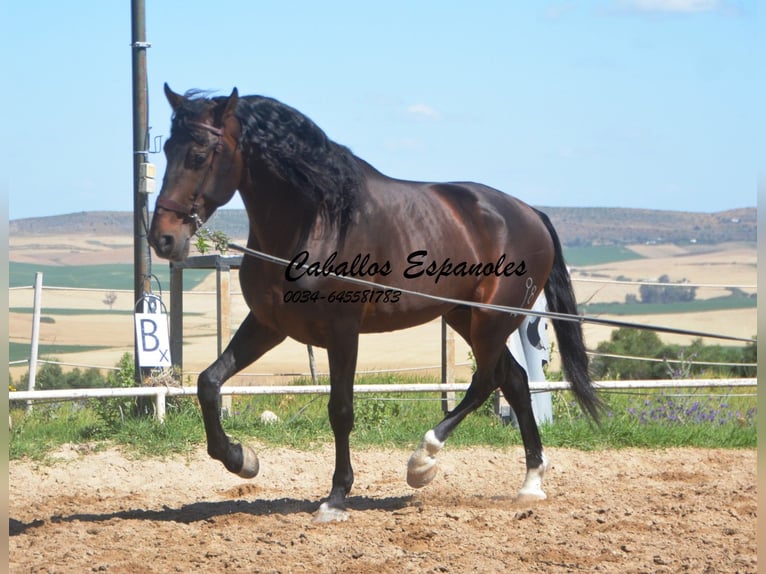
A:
{"x":209,"y":511}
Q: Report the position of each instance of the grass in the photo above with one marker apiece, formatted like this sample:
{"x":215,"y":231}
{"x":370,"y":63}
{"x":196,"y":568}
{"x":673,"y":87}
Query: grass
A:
{"x":710,"y":418}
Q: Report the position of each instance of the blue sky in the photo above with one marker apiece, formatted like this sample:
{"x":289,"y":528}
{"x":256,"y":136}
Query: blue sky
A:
{"x":617,"y":103}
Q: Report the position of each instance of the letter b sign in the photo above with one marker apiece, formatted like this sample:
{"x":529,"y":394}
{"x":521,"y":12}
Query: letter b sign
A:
{"x":153,"y":341}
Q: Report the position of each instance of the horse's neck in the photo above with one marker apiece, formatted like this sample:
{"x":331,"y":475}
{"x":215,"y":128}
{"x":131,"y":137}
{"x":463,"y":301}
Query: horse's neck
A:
{"x":281,"y":220}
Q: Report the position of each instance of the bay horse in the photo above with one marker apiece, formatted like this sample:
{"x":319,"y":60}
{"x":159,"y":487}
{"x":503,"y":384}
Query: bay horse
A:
{"x":312,"y":202}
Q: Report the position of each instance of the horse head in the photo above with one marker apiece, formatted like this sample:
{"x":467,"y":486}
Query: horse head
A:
{"x":204,"y":169}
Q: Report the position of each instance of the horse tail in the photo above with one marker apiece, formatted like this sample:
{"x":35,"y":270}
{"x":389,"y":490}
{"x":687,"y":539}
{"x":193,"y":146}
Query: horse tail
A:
{"x":561,"y":299}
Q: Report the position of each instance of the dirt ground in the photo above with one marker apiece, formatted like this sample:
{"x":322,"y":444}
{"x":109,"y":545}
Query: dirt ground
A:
{"x":629,"y":511}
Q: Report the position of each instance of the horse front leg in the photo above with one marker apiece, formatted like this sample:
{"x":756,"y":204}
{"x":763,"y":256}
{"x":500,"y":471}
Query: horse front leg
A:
{"x":249,"y":343}
{"x":342,"y":358}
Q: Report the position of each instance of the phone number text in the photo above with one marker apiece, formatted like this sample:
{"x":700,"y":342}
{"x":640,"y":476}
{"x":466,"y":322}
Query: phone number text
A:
{"x":362,"y":296}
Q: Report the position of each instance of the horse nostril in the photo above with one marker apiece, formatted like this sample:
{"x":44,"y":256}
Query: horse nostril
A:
{"x":165,"y":244}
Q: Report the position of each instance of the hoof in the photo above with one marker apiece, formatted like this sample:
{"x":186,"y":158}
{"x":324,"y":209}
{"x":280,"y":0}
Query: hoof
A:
{"x":250,"y":464}
{"x":422,"y":475}
{"x":421,"y":468}
{"x":532,"y":489}
{"x":530,"y":495}
{"x":327,"y":513}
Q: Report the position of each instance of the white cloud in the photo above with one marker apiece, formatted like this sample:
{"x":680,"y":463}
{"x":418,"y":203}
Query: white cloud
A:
{"x":678,"y":6}
{"x":424,"y":111}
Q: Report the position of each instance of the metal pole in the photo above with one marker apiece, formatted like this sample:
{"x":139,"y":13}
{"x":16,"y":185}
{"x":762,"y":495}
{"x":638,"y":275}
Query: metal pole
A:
{"x":35,"y":335}
{"x":139,"y":46}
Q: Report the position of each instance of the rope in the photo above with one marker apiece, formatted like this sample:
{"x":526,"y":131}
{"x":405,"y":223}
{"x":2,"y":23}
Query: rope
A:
{"x":655,"y":360}
{"x":660,"y":284}
{"x":501,"y":308}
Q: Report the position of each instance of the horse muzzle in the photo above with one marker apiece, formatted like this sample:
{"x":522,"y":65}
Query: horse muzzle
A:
{"x":172,"y":244}
{"x":168,"y":246}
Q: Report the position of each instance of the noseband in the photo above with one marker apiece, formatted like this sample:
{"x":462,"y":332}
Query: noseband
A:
{"x":192,"y":211}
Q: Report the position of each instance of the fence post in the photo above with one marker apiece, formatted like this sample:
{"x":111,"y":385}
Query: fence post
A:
{"x":160,"y":403}
{"x":312,"y":365}
{"x":177,"y":316}
{"x":448,"y":365}
{"x":35,"y":335}
{"x":223,"y":312}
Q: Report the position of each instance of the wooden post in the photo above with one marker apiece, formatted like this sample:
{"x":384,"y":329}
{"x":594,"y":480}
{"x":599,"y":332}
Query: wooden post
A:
{"x":448,"y":365}
{"x":312,"y":365}
{"x":223,"y":308}
{"x":177,"y":316}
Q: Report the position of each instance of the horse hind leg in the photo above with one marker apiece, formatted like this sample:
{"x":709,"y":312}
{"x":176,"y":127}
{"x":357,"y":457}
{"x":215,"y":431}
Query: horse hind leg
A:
{"x":515,"y":387}
{"x":421,"y":467}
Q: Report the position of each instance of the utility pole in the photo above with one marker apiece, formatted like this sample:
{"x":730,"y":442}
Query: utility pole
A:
{"x":139,"y":46}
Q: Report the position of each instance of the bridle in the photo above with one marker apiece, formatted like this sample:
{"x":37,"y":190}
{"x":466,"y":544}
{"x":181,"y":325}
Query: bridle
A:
{"x":192,"y":211}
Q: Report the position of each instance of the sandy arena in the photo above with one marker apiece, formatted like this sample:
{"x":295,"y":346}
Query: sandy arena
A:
{"x":631,"y":511}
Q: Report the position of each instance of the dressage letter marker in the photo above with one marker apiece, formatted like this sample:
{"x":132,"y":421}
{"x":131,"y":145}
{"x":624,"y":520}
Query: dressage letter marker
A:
{"x":153,"y":340}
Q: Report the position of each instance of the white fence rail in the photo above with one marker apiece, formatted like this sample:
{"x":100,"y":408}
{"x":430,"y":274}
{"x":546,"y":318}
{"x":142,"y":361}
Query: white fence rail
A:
{"x":161,"y":393}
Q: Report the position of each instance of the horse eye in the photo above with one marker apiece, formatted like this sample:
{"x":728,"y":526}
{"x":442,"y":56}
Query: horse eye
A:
{"x":198,"y":159}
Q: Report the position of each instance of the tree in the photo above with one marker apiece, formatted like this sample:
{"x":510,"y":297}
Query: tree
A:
{"x":669,"y":293}
{"x":631,"y":343}
{"x":109,"y":299}
{"x":676,"y":361}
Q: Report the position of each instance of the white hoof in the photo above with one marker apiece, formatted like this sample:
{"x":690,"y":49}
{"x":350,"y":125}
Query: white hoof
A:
{"x":250,"y":465}
{"x":328,"y":514}
{"x":530,"y":495}
{"x":421,"y":468}
{"x":532,"y":489}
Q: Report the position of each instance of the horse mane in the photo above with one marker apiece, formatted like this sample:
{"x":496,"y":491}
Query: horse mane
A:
{"x":295,"y":149}
{"x":328,"y":175}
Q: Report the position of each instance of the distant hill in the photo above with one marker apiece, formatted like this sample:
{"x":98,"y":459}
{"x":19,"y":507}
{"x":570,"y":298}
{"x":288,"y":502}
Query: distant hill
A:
{"x":577,"y":226}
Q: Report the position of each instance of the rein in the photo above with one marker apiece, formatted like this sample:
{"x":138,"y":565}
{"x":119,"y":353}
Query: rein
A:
{"x":192,"y":211}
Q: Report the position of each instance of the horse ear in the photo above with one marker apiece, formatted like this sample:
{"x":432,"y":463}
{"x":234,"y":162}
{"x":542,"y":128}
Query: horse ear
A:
{"x":174,"y":99}
{"x":231,"y":103}
{"x":228,"y":117}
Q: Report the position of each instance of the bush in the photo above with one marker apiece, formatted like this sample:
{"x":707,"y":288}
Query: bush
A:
{"x":51,"y":376}
{"x":678,"y":362}
{"x":112,"y":411}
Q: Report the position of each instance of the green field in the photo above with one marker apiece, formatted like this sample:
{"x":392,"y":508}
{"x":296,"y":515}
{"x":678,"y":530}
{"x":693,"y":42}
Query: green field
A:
{"x":107,"y":277}
{"x":49,"y":311}
{"x":20,"y":351}
{"x":598,"y":254}
{"x":697,"y":306}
